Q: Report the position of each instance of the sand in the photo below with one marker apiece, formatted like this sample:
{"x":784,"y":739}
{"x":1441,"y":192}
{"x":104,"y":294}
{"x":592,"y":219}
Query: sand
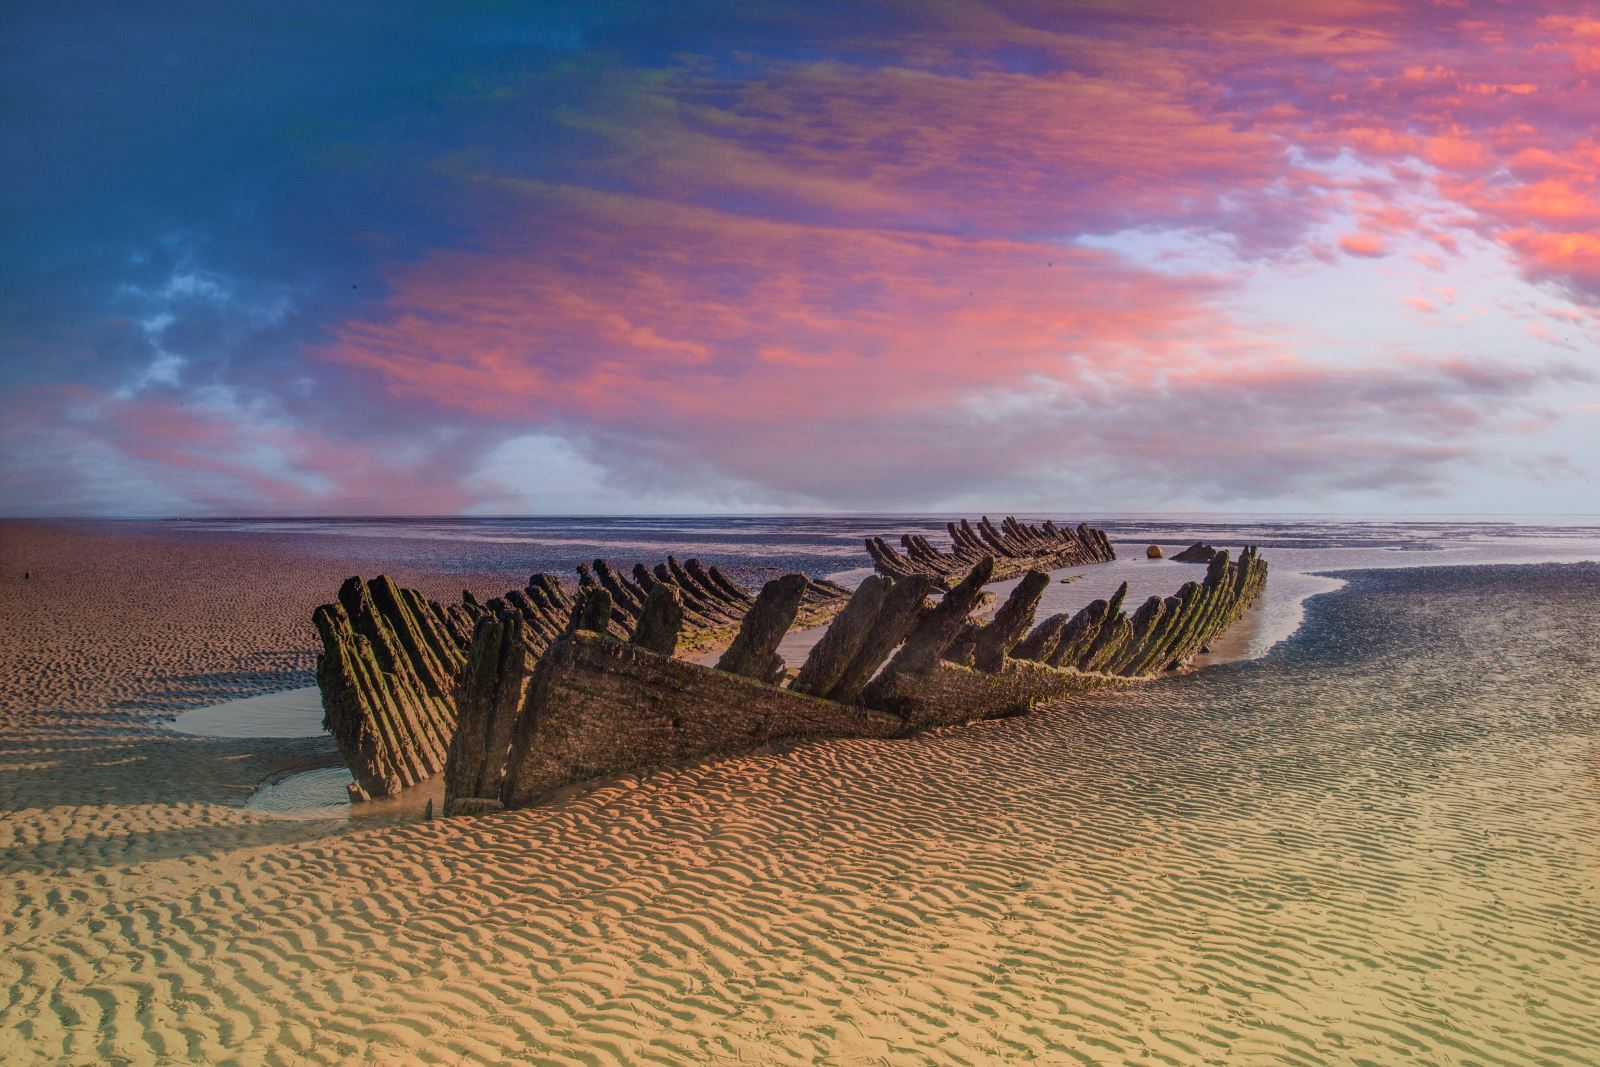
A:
{"x":1013,"y":891}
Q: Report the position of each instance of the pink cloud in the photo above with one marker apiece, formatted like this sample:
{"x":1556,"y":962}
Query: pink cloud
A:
{"x":835,"y":254}
{"x":840,"y":277}
{"x":1365,"y":245}
{"x":660,"y":312}
{"x":86,"y":444}
{"x":843,"y":364}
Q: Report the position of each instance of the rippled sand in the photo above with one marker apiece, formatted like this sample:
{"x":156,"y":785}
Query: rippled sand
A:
{"x":1379,"y":844}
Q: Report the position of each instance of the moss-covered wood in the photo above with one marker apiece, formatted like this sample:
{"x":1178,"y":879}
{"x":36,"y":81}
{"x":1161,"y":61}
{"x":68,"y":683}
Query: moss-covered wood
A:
{"x":1161,"y":635}
{"x":388,"y":673}
{"x":596,"y":706}
{"x":1015,"y":547}
{"x":393,"y":670}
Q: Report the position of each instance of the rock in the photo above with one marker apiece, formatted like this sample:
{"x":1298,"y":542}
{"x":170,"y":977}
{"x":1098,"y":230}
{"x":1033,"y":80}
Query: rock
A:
{"x":1153,"y":552}
{"x":1199,"y":552}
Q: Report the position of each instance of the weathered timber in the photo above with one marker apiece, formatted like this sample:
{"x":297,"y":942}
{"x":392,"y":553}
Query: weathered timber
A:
{"x":515,"y":724}
{"x":961,"y":649}
{"x":754,"y":652}
{"x":594,"y":613}
{"x":949,"y":693}
{"x":1015,"y":547}
{"x":661,"y":620}
{"x":1042,"y":640}
{"x":933,"y":634}
{"x":831,"y":655}
{"x":622,"y":592}
{"x":596,"y":706}
{"x":995,"y":641}
{"x":904,"y":604}
{"x":495,"y":683}
{"x":1077,"y":635}
{"x":387,"y":673}
{"x":1162,"y":634}
{"x":394,"y":666}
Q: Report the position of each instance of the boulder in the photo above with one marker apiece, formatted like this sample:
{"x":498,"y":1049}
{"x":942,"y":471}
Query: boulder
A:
{"x":1199,"y":552}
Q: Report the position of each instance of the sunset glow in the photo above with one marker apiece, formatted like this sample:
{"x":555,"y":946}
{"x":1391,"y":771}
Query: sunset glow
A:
{"x":1341,"y":256}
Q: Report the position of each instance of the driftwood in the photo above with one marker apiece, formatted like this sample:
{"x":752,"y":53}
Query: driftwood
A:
{"x":395,"y":670}
{"x":1015,"y":547}
{"x":596,"y":706}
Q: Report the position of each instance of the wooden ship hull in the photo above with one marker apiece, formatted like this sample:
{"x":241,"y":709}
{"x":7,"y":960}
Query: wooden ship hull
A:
{"x":392,"y":664}
{"x":1015,"y":547}
{"x":892,"y":663}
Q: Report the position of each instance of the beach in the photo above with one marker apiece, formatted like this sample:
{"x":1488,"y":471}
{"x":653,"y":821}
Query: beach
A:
{"x":1375,"y":842}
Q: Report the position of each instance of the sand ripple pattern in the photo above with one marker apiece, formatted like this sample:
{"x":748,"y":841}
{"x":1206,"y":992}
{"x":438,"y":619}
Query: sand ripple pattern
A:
{"x":1379,"y":845}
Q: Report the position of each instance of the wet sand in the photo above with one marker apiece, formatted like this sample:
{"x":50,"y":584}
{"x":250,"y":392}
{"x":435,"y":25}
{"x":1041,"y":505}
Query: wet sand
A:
{"x":1348,"y":851}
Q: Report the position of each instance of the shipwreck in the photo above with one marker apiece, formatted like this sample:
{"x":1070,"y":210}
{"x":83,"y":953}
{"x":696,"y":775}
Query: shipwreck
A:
{"x":1015,"y":547}
{"x":392,"y":660}
{"x":517,"y":698}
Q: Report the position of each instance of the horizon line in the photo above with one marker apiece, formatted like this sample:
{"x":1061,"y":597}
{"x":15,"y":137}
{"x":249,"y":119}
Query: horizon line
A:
{"x":570,"y":516}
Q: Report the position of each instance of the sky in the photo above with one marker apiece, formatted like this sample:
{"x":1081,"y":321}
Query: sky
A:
{"x":493,"y":258}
